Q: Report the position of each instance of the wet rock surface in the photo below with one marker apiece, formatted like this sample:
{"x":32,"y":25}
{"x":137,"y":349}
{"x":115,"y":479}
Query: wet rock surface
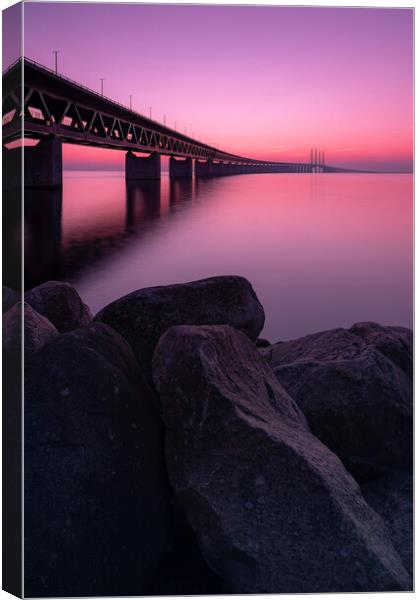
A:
{"x":97,"y":501}
{"x":273,"y":509}
{"x":61,"y":304}
{"x":144,"y":315}
{"x":37,"y":330}
{"x":355,"y":388}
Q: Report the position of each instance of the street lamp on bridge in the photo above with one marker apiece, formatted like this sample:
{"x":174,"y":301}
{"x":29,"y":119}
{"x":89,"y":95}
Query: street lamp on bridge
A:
{"x":56,"y":53}
{"x":102,"y":79}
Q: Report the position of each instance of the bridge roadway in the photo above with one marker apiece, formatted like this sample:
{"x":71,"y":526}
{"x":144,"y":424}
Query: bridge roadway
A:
{"x":57,"y":109}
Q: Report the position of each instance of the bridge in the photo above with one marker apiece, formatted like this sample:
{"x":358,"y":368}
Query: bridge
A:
{"x":57,"y":110}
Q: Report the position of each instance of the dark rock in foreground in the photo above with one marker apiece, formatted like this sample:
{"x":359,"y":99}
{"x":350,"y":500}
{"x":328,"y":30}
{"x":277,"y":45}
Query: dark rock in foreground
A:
{"x":274,"y":510}
{"x":96,"y":493}
{"x":61,"y":304}
{"x":352,"y":388}
{"x":9,"y":298}
{"x":144,"y":315}
{"x":396,"y":343}
{"x":184,"y":571}
{"x":37,"y":330}
{"x":392,"y":497}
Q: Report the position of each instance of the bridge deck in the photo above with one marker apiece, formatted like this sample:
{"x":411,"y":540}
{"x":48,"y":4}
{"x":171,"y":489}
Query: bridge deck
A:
{"x":55,"y":106}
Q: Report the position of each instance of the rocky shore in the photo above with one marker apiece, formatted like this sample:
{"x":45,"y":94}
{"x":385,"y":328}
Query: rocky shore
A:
{"x":170,"y":450}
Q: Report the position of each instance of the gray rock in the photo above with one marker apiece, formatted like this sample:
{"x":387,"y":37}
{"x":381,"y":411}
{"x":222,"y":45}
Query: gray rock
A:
{"x":355,"y":395}
{"x":274,"y":510}
{"x":392,"y":497}
{"x":97,"y":500}
{"x":143,"y":316}
{"x":9,"y":298}
{"x":37,"y":330}
{"x":61,"y":304}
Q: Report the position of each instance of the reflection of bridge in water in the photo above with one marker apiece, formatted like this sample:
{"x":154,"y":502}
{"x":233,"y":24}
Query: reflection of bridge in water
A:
{"x":56,"y":110}
{"x":56,"y":250}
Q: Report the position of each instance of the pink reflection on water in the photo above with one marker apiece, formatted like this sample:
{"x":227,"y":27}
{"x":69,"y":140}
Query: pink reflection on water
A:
{"x":320,"y":250}
{"x":92,"y":205}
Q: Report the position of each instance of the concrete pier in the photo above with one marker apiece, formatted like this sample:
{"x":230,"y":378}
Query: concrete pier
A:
{"x":180,"y":167}
{"x":12,"y":165}
{"x":203,"y":169}
{"x":43,"y":163}
{"x":142,"y":167}
{"x":220,"y":168}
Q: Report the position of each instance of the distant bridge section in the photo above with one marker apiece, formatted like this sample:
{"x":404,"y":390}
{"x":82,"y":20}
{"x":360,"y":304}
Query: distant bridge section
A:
{"x":56,"y":109}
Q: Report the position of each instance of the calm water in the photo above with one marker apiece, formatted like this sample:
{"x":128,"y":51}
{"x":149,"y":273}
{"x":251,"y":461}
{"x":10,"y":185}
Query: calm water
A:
{"x":320,"y":250}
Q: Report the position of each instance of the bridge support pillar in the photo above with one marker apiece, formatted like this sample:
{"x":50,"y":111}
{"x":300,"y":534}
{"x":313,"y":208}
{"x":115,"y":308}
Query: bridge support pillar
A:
{"x":142,"y":167}
{"x":180,"y":167}
{"x":203,"y":169}
{"x":12,"y":165}
{"x":43,"y":163}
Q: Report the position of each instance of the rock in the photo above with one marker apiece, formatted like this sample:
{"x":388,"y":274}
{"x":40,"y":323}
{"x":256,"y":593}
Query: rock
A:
{"x":9,"y":298}
{"x":396,"y":343}
{"x":184,"y":571}
{"x":61,"y":304}
{"x":97,"y":520}
{"x":354,"y":394}
{"x":274,"y":509}
{"x":392,"y":497}
{"x":143,"y":316}
{"x":37,"y":330}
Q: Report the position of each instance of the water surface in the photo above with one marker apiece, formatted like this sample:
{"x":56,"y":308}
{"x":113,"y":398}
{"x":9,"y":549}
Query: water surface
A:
{"x":321,"y":250}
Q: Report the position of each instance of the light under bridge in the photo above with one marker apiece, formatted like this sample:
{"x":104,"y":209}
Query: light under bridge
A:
{"x":53,"y":110}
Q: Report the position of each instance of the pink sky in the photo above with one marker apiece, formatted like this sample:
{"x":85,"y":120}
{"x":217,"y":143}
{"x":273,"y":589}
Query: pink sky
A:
{"x":266,"y":82}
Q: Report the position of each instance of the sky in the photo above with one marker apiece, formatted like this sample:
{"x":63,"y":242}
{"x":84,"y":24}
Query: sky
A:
{"x":264,"y":82}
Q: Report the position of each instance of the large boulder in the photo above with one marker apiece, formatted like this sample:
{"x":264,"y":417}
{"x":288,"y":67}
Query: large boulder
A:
{"x":274,"y":509}
{"x":354,"y":388}
{"x":184,"y":572}
{"x":97,"y":500}
{"x":144,"y":315}
{"x":396,"y":343}
{"x":61,"y":304}
{"x":37,"y":330}
{"x":392,"y":497}
{"x":9,"y":298}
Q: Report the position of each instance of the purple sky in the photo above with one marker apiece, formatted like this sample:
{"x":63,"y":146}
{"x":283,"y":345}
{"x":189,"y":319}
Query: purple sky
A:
{"x":268,"y":82}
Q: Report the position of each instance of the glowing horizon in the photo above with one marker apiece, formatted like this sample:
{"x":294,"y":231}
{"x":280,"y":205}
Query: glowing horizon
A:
{"x":264,"y":82}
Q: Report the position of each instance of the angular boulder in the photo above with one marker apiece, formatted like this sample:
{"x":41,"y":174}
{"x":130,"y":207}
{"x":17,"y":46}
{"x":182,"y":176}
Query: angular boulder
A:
{"x":392,"y":497}
{"x":274,"y":509}
{"x":144,"y":315}
{"x":354,"y":389}
{"x":97,"y":500}
{"x":37,"y":330}
{"x":61,"y":304}
{"x":9,"y":298}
